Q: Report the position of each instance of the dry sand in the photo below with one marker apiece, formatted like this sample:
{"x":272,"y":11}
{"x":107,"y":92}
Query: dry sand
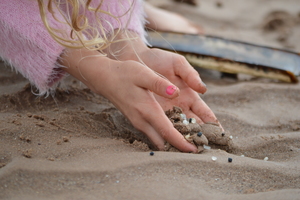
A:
{"x":78,"y":146}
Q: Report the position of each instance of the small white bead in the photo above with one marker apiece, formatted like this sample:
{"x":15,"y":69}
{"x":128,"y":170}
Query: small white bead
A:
{"x":206,"y":147}
{"x":214,"y":158}
{"x":183,"y":116}
{"x":242,"y":156}
{"x":193,"y":120}
{"x":266,"y":159}
{"x":185,"y":122}
{"x":231,"y":137}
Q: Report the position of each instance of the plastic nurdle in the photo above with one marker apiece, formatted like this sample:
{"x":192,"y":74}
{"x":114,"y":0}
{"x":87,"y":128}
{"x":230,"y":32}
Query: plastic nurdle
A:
{"x":199,"y":134}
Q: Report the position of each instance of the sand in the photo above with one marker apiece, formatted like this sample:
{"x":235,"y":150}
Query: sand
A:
{"x":78,"y":146}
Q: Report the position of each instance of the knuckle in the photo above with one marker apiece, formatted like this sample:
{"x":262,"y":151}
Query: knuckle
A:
{"x":193,"y":72}
{"x":179,"y":59}
{"x":158,"y":83}
{"x":136,"y":123}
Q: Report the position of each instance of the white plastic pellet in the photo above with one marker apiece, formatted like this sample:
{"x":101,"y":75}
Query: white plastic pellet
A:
{"x":186,"y":122}
{"x":183,"y":116}
{"x":193,"y":120}
{"x":206,"y":147}
{"x":214,"y":158}
{"x":266,"y":159}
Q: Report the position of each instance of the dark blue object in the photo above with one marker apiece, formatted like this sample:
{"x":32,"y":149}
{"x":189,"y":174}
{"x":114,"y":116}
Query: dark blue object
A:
{"x":199,"y":134}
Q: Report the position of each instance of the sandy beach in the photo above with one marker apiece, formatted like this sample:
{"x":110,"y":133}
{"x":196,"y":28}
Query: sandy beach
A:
{"x":76,"y":145}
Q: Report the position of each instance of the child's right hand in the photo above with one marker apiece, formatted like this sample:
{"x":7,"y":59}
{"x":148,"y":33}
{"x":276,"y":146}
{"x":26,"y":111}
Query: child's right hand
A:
{"x":130,"y":87}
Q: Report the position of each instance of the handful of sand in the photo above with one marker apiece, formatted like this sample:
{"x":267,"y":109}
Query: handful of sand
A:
{"x":199,"y":134}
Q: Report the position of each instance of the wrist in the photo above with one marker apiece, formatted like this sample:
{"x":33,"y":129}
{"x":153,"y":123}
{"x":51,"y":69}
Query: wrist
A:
{"x":88,"y":66}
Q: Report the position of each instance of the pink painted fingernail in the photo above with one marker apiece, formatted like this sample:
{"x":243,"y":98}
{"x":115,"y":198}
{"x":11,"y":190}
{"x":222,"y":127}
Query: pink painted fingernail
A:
{"x":171,"y":89}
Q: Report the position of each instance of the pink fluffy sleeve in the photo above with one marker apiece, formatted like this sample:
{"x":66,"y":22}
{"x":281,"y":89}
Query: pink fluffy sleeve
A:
{"x":30,"y":49}
{"x":27,"y":45}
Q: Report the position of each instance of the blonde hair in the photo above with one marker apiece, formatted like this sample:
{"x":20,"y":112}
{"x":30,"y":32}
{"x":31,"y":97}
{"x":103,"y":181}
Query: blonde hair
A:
{"x":82,"y":34}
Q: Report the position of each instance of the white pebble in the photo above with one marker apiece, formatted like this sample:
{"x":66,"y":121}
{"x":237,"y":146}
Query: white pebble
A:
{"x":214,"y":158}
{"x":266,"y":159}
{"x":183,"y":116}
{"x":206,"y":147}
{"x":242,"y":156}
{"x":186,"y":122}
{"x":231,"y":137}
{"x":193,"y":120}
{"x":187,"y":136}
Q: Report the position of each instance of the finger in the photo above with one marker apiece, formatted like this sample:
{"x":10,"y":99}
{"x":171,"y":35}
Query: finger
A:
{"x":153,"y":136}
{"x":201,"y":109}
{"x":153,"y":116}
{"x":148,"y":79}
{"x":183,"y":69}
{"x":165,"y":128}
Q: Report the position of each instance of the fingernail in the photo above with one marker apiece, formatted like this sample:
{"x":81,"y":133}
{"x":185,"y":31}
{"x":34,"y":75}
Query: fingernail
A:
{"x":171,"y":89}
{"x":203,"y":83}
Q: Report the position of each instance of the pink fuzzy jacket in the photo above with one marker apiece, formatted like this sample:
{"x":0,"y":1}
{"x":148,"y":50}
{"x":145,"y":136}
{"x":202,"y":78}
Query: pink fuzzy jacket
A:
{"x":27,"y":46}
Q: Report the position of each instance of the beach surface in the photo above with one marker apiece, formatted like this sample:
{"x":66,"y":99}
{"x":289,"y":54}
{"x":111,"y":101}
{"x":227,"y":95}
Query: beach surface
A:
{"x":76,"y":145}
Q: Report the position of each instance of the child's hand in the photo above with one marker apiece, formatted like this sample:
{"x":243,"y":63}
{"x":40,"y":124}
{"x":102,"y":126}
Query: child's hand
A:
{"x":176,"y":69}
{"x":128,"y":86}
